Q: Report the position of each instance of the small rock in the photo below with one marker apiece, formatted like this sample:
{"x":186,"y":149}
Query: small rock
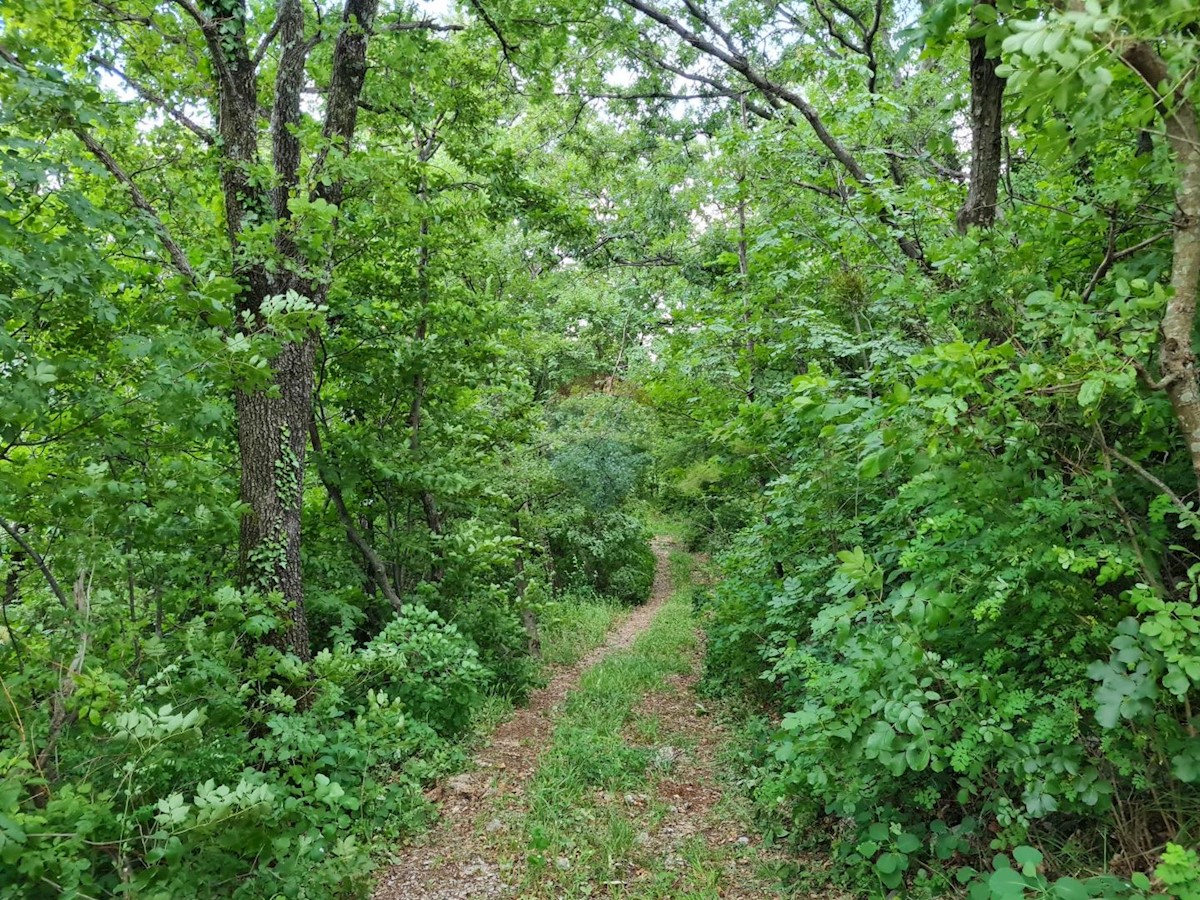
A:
{"x":493,"y":826}
{"x":562,"y":864}
{"x":462,"y":785}
{"x":743,"y":840}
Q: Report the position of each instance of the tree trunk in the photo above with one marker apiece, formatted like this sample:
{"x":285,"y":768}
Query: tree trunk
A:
{"x":1176,"y":356}
{"x":1177,"y":360}
{"x":528,"y":617}
{"x":987,"y":116}
{"x":273,"y":438}
{"x":273,"y":423}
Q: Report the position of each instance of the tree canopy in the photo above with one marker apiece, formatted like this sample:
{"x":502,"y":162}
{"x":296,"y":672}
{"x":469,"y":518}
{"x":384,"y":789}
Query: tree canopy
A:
{"x":346,"y":343}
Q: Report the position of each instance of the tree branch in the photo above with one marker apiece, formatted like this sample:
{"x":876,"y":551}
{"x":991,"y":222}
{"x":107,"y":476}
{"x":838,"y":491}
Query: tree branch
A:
{"x":505,"y":47}
{"x":150,"y":96}
{"x":422,"y":25}
{"x":1113,"y":256}
{"x":178,"y":257}
{"x":261,"y":50}
{"x":285,"y":113}
{"x":374,"y":563}
{"x":1154,"y":480}
{"x":348,"y":73}
{"x":20,"y":541}
{"x":720,"y":87}
{"x":737,"y":61}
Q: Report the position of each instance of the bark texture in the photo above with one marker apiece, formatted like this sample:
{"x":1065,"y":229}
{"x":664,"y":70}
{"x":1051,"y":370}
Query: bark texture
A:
{"x":987,"y":115}
{"x":273,"y":438}
{"x":1177,"y":358}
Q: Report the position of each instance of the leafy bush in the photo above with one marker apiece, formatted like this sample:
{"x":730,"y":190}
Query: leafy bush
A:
{"x":609,"y":553}
{"x":226,"y":773}
{"x":995,"y":655}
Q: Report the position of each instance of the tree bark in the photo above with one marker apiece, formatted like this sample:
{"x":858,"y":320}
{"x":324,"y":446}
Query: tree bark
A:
{"x":987,"y":118}
{"x":1177,"y":358}
{"x":273,"y":438}
{"x":274,"y":422}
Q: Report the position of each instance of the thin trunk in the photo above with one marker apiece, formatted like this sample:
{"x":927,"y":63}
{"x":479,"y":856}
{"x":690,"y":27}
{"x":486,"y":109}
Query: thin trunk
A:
{"x":12,"y":592}
{"x":433,"y":518}
{"x":744,"y":272}
{"x":131,"y":587}
{"x":987,"y":115}
{"x":375,"y":564}
{"x":60,"y":715}
{"x":16,"y":533}
{"x":1177,"y":358}
{"x":528,"y":616}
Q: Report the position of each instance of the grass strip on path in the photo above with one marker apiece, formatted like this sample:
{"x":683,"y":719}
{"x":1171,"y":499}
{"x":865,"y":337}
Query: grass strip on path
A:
{"x":625,"y":802}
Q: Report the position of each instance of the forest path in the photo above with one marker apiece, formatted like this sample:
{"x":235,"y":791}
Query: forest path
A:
{"x":607,"y":784}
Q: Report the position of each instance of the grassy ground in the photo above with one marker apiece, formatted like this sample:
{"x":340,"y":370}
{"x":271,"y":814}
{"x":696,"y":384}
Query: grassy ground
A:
{"x":617,"y":807}
{"x":573,"y":625}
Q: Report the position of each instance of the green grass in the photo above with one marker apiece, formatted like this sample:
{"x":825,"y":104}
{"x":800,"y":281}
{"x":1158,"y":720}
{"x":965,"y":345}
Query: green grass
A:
{"x":666,"y":525}
{"x":577,"y":809}
{"x":575,"y":624}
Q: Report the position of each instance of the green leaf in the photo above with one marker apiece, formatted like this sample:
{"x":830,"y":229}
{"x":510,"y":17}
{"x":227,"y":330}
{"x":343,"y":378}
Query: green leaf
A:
{"x":1091,"y":391}
{"x":1028,"y":858}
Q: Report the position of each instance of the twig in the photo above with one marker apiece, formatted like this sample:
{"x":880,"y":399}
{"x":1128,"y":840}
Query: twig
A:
{"x":1154,"y":480}
{"x":39,"y":560}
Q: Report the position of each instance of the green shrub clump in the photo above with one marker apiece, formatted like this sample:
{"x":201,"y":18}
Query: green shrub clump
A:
{"x":230,"y":771}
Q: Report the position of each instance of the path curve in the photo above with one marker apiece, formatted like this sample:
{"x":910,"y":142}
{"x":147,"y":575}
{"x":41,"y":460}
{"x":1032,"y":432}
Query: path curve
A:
{"x":450,"y":862}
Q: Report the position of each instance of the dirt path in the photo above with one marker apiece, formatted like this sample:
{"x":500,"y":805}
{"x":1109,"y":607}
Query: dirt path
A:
{"x":452,"y":861}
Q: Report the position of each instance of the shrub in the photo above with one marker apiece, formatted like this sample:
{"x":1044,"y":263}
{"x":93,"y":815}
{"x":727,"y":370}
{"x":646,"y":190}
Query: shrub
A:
{"x":609,"y":553}
{"x":223,"y":774}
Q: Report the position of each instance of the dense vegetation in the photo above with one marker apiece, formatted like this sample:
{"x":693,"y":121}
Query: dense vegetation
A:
{"x":346,"y":345}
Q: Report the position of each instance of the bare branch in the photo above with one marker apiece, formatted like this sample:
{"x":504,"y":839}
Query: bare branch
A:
{"x":150,"y":96}
{"x":267,"y":39}
{"x":834,"y":31}
{"x":422,"y":25}
{"x":704,"y":18}
{"x":1154,"y":480}
{"x":178,"y":257}
{"x":19,"y":539}
{"x":719,"y":87}
{"x":505,"y":47}
{"x":194,"y":13}
{"x":1113,"y":256}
